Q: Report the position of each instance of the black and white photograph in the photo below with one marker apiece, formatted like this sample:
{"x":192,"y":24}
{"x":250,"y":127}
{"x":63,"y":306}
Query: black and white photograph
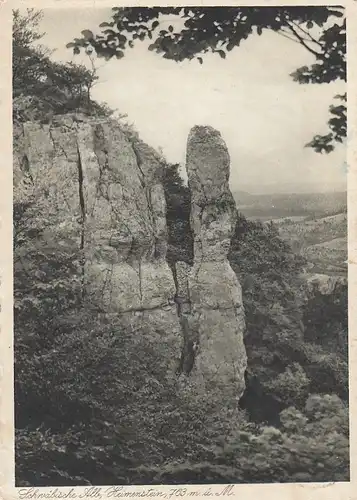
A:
{"x":180,"y":290}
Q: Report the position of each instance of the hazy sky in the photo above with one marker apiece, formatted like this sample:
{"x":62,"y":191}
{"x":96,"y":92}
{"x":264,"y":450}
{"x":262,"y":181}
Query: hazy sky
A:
{"x":264,"y":117}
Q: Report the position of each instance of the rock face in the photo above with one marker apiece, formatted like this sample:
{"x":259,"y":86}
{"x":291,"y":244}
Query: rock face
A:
{"x":216,"y":315}
{"x":101,"y":192}
{"x":105,"y":195}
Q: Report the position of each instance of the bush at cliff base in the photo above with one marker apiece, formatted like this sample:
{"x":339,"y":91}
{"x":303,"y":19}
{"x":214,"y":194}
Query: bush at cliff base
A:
{"x":310,"y":446}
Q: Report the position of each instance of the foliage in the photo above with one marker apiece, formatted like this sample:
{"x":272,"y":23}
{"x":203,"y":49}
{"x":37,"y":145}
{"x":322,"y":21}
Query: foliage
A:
{"x":296,"y":341}
{"x":25,"y":28}
{"x":325,"y":316}
{"x":270,"y":276}
{"x":178,"y":200}
{"x":338,"y":126}
{"x":195,"y":31}
{"x":310,"y":445}
{"x":41,"y":86}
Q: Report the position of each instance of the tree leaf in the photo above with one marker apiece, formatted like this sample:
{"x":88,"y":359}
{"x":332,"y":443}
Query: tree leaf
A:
{"x":105,"y":24}
{"x":109,"y":32}
{"x":88,"y":34}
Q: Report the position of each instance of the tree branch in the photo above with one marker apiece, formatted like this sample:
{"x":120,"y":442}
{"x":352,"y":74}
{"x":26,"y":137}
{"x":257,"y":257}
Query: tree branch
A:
{"x":302,"y":41}
{"x":308,"y":34}
{"x":283,"y":33}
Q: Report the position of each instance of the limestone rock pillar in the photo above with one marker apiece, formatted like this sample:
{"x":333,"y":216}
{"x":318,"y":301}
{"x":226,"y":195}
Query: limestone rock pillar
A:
{"x":214,"y":291}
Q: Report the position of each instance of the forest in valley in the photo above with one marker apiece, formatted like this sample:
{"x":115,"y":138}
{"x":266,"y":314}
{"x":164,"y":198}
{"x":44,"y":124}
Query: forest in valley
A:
{"x":91,"y":403}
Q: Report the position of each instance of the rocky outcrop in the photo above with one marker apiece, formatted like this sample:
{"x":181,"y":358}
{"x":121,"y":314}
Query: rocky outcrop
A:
{"x":212,"y":295}
{"x":101,"y":192}
{"x":324,"y":283}
{"x":103,"y":195}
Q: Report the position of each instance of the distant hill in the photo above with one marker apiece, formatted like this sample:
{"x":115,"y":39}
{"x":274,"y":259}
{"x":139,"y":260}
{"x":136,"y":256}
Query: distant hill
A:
{"x":275,"y":206}
{"x":314,"y":224}
{"x":281,"y":187}
{"x":322,"y":241}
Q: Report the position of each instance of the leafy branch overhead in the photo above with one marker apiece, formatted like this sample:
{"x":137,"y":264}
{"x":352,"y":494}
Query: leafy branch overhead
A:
{"x":196,"y":31}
